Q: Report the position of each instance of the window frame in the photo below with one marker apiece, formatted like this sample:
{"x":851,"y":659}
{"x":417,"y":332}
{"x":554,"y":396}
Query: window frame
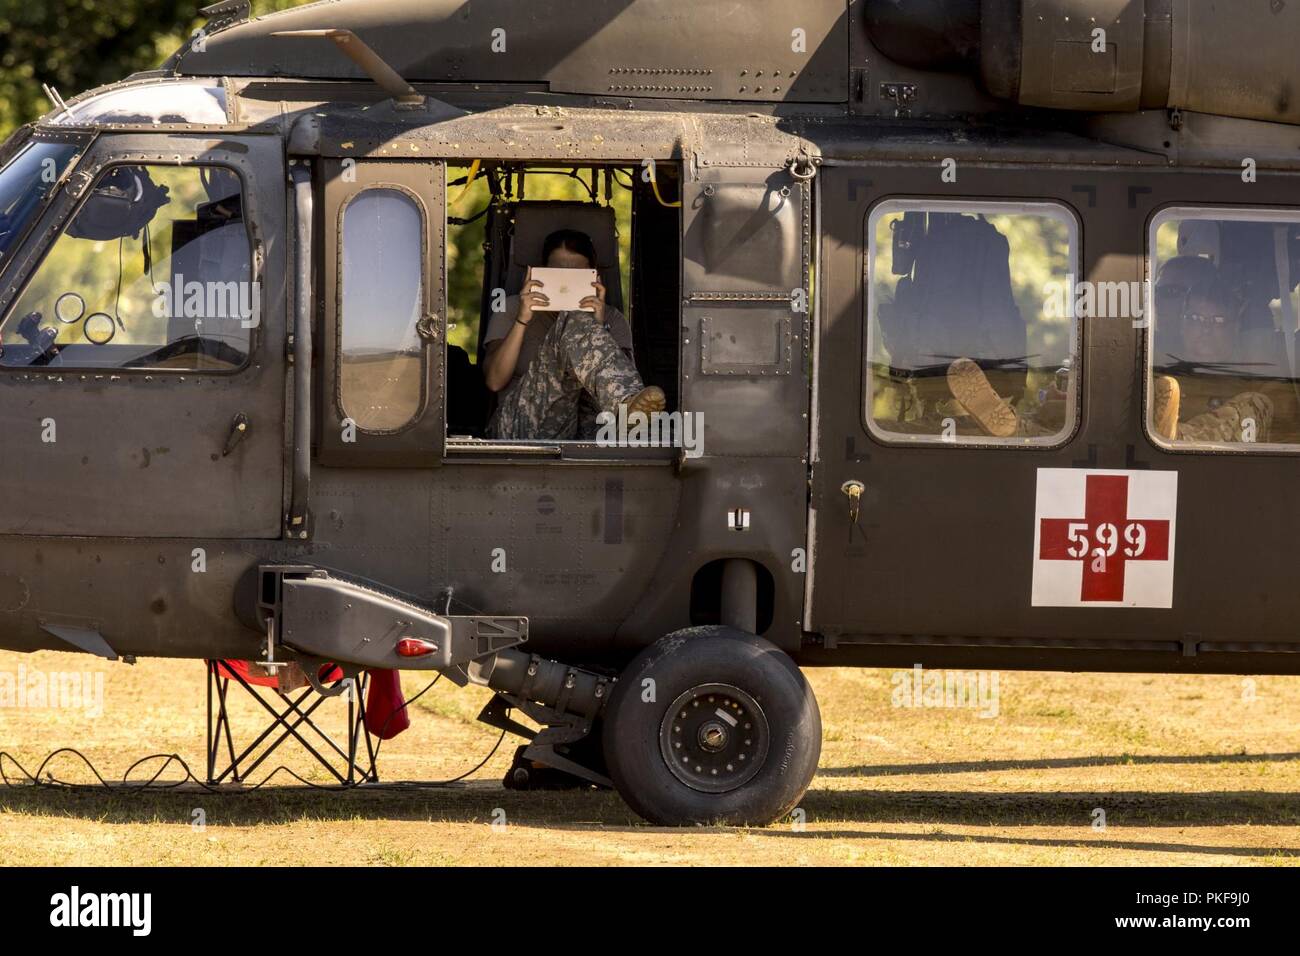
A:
{"x":23,"y":140}
{"x":96,"y":175}
{"x":336,"y":181}
{"x":1214,"y":213}
{"x":424,"y":299}
{"x":1054,"y":208}
{"x":462,"y":449}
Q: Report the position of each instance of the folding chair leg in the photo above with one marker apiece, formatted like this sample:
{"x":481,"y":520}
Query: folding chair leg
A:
{"x":288,"y":719}
{"x":221,"y":728}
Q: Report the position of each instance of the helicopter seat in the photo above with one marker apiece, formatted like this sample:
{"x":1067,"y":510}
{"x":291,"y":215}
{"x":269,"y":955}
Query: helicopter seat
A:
{"x":1199,"y":237}
{"x":534,"y":221}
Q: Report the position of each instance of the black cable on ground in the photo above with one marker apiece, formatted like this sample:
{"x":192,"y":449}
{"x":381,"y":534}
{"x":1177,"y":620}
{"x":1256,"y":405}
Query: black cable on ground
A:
{"x":128,"y":786}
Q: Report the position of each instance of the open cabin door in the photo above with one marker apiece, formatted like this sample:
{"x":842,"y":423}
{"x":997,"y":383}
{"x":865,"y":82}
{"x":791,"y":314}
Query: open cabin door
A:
{"x":143,"y":330}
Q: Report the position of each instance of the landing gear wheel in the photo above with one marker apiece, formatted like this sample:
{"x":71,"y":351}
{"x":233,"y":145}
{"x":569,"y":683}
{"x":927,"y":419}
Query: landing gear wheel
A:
{"x":732,"y":734}
{"x":714,"y":738}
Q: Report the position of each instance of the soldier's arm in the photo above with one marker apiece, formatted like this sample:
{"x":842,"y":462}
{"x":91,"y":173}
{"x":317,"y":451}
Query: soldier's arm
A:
{"x":503,"y":354}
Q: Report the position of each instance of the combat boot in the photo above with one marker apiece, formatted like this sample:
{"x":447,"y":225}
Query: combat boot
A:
{"x":1165,"y":404}
{"x":971,"y":387}
{"x":648,"y":401}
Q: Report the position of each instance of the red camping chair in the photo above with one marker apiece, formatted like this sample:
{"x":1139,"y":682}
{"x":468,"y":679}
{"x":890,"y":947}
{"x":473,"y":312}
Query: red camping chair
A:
{"x":383,"y":715}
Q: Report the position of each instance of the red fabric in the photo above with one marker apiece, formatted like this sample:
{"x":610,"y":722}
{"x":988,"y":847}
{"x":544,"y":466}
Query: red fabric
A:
{"x":232,"y":669}
{"x":386,"y":711}
{"x":228,"y":669}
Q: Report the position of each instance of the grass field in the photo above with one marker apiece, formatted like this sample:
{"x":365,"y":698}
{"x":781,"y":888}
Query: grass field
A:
{"x":1187,"y":770}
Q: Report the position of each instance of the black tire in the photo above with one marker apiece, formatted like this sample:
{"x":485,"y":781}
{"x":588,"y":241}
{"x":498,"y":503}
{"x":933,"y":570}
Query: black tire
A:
{"x":759,"y":695}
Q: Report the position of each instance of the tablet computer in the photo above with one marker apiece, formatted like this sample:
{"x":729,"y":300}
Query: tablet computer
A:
{"x":565,"y":288}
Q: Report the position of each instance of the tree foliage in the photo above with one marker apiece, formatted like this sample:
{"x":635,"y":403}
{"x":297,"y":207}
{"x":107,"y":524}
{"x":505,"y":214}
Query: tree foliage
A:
{"x":75,"y":45}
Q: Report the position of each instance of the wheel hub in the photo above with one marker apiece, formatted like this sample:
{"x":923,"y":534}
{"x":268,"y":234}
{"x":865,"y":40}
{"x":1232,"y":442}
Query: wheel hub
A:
{"x":714,"y":738}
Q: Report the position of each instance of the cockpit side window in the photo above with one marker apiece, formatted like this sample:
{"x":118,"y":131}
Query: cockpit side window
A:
{"x":154,"y":271}
{"x":964,"y":345}
{"x":25,"y":183}
{"x":1222,"y":340}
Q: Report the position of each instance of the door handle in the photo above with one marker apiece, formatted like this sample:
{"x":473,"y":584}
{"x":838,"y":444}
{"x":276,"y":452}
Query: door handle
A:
{"x":238,"y":431}
{"x":852,"y":490}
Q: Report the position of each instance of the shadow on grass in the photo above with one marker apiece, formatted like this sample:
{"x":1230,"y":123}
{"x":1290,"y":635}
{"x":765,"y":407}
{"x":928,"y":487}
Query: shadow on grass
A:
{"x":578,"y":809}
{"x":1207,"y":849}
{"x":1050,"y":763}
{"x":472,"y":803}
{"x":1033,"y":808}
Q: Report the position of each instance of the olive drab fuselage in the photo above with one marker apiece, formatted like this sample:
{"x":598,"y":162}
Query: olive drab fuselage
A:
{"x":140,"y":503}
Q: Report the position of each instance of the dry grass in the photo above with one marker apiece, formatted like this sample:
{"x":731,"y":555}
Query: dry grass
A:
{"x":1188,"y":770}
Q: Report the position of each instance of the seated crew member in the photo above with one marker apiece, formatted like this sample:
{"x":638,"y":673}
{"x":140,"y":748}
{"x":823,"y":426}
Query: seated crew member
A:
{"x":1211,"y":401}
{"x":956,"y":338}
{"x":541,"y":363}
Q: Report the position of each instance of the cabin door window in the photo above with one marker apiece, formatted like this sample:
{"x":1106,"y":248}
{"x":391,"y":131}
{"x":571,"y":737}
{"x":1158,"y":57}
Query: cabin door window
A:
{"x":381,"y":354}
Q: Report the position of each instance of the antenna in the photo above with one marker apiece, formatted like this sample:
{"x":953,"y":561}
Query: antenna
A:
{"x":356,"y":50}
{"x":55,"y":98}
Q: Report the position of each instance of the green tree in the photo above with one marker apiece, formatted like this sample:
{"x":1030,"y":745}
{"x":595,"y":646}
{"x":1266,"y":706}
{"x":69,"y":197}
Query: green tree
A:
{"x":74,"y":45}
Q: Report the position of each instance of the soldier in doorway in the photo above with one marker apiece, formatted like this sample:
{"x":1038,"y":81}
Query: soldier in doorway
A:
{"x":542,"y":363}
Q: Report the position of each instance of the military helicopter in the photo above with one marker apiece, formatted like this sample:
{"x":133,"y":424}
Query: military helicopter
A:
{"x":237,"y":425}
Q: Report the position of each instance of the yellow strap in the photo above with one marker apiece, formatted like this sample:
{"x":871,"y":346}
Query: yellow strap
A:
{"x":654,"y":184}
{"x":469,"y":181}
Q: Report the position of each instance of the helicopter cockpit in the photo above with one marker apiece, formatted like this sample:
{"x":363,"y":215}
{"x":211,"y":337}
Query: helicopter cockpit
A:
{"x":34,"y":167}
{"x":154,"y":270}
{"x":199,"y":102}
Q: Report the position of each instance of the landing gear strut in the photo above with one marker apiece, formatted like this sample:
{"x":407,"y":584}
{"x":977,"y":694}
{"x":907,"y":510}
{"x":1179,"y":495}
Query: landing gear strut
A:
{"x":529,"y":773}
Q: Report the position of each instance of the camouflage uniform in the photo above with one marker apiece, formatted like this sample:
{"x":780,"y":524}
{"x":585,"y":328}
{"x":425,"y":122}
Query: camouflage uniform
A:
{"x":925,"y":407}
{"x":577,"y":357}
{"x":1205,"y":415}
{"x":1224,"y":424}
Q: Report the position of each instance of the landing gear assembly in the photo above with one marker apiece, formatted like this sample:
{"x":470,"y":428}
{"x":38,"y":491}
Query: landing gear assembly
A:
{"x":707,"y":725}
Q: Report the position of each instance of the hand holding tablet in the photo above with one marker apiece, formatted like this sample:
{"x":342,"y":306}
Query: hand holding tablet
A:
{"x":566,"y":288}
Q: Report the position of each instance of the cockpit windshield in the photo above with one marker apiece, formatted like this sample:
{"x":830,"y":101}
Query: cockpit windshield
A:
{"x":25,"y":183}
{"x":200,"y":102}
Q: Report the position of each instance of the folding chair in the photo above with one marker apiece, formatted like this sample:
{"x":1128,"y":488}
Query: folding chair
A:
{"x":291,"y":715}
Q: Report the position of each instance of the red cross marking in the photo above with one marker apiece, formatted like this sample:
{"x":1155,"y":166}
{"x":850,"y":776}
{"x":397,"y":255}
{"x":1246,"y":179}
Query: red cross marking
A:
{"x":1105,"y":532}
